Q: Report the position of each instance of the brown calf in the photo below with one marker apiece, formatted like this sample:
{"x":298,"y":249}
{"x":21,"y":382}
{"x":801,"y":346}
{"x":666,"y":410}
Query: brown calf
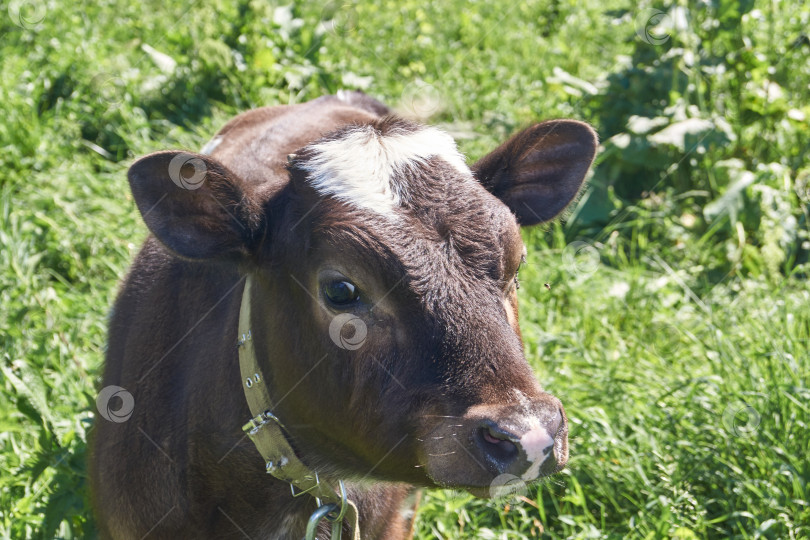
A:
{"x":374,"y":224}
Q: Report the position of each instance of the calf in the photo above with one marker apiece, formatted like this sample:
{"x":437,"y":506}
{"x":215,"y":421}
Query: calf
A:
{"x":381,"y":316}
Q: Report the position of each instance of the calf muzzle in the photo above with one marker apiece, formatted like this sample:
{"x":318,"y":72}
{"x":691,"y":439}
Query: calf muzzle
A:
{"x":527,"y":453}
{"x":527,"y":440}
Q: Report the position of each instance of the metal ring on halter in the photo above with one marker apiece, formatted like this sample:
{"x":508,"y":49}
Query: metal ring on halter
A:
{"x":343,"y":503}
{"x":316,"y":517}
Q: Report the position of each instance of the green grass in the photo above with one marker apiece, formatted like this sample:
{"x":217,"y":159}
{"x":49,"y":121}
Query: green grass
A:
{"x":678,"y":342}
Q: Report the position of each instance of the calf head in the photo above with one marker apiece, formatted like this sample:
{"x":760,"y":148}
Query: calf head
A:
{"x":385,"y":306}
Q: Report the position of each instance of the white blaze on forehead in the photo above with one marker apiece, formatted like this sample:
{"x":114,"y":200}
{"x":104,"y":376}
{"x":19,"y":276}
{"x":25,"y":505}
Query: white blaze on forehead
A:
{"x":361,"y":167}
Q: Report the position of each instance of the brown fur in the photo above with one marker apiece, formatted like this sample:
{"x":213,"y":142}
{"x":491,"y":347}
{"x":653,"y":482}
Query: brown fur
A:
{"x":443,"y":352}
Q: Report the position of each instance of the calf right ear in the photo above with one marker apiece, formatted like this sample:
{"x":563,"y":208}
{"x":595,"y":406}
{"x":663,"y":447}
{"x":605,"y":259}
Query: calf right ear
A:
{"x":195,"y":206}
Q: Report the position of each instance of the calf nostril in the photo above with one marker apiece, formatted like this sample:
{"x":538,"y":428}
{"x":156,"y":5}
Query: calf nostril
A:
{"x":490,"y":438}
{"x":497,"y":445}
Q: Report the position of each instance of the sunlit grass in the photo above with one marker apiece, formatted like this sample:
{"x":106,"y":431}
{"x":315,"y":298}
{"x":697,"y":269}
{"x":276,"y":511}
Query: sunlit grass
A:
{"x":684,"y":378}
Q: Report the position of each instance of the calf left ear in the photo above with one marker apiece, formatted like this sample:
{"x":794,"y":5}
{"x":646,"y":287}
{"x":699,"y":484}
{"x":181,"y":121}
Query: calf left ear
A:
{"x":539,"y":171}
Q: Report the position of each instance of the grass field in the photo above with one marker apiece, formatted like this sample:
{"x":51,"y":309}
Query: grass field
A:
{"x":670,"y":312}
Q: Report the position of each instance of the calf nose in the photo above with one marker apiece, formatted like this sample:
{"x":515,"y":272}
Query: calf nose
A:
{"x":538,"y":449}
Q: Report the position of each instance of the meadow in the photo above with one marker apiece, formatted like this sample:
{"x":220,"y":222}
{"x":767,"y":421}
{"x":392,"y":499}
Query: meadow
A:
{"x":669,"y":310}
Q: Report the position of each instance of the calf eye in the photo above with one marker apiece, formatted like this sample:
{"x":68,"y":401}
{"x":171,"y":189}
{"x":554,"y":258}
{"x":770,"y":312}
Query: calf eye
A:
{"x":341,"y":293}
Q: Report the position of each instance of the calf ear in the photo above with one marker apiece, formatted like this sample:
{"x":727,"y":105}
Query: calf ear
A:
{"x":194,"y":205}
{"x":539,"y":171}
